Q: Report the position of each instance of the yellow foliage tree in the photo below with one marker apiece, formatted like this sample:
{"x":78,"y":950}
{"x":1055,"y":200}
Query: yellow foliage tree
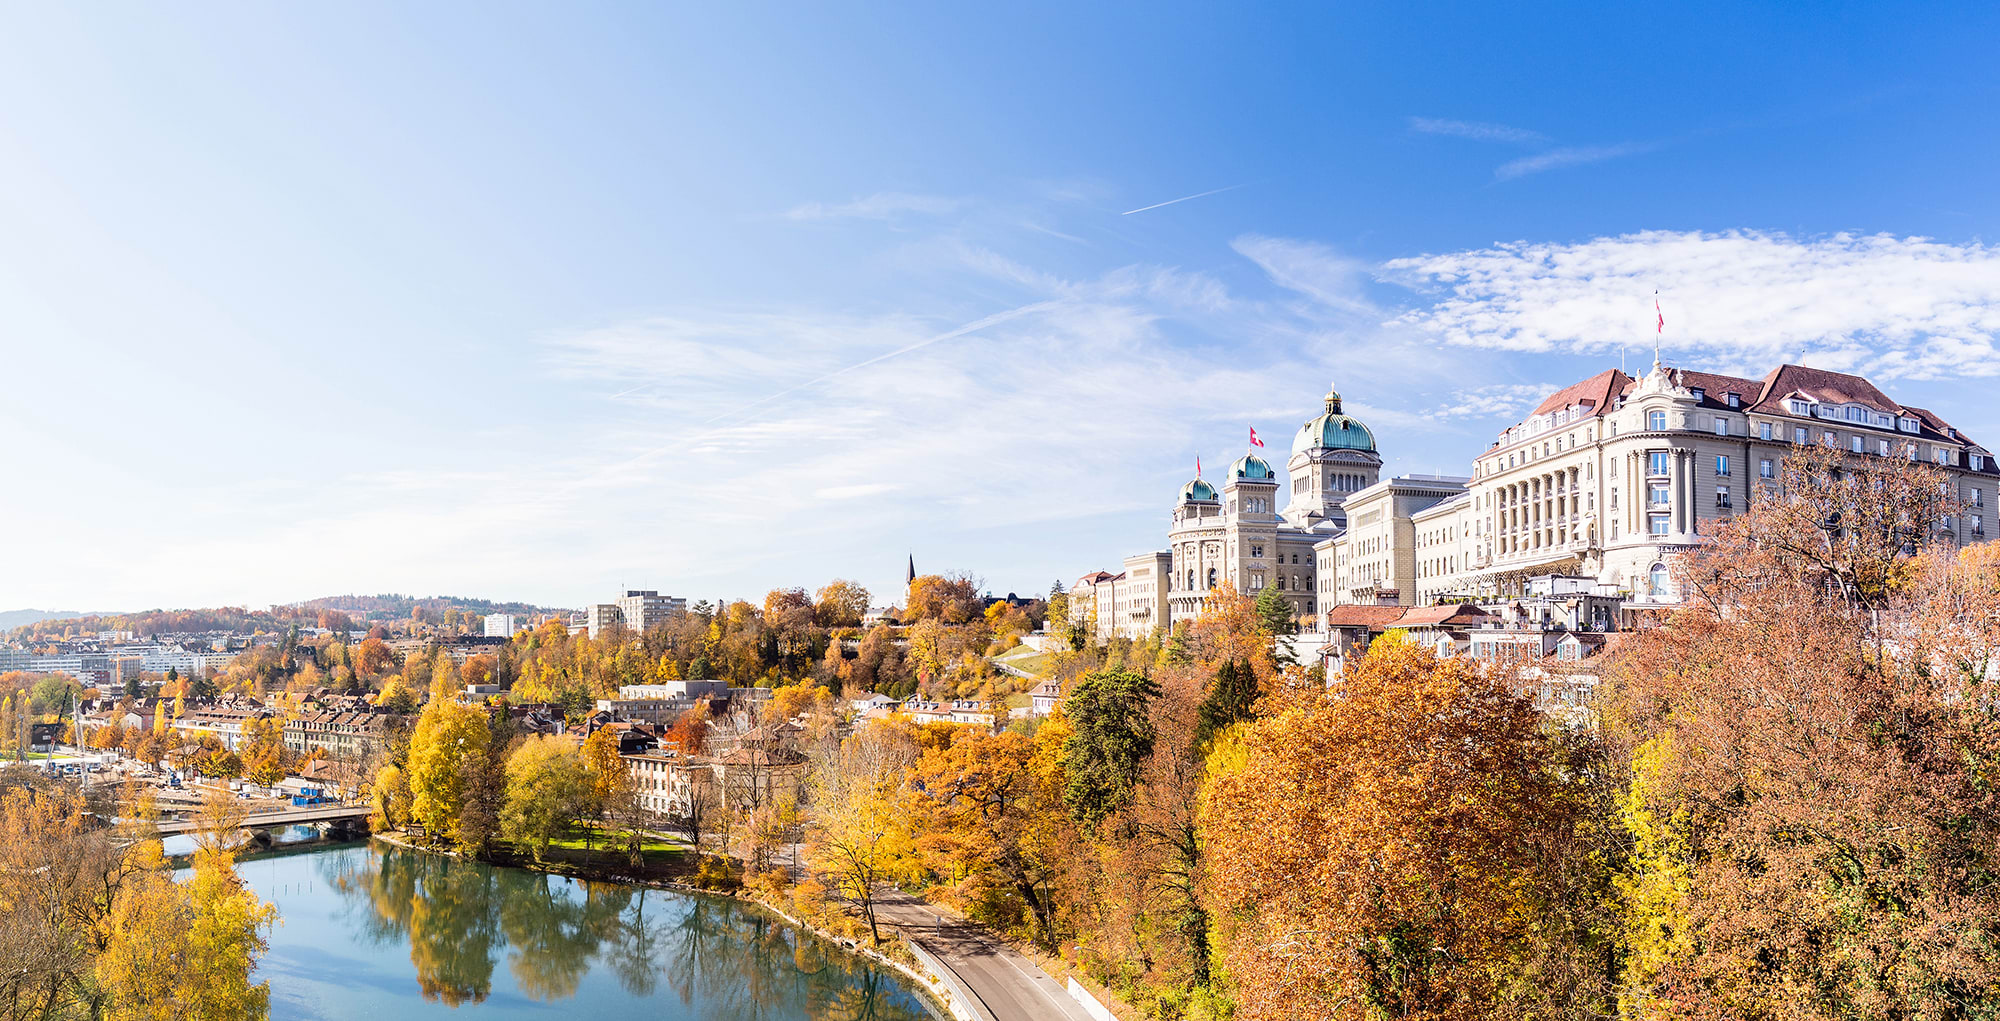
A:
{"x":446,"y":734}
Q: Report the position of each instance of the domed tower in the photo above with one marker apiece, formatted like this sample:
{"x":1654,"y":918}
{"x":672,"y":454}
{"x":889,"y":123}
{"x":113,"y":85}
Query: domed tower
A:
{"x":1251,"y":490}
{"x":1333,"y":456}
{"x":1195,"y":545}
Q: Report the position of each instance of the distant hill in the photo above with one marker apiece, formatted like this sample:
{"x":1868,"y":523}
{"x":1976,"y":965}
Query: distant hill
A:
{"x":393,"y":604}
{"x":16,"y":618}
{"x":29,"y":625}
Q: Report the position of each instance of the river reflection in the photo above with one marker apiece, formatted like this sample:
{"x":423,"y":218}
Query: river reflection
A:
{"x":507,"y":942}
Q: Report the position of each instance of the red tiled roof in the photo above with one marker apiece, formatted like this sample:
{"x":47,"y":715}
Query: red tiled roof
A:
{"x":1598,"y":389}
{"x":1361,"y":615}
{"x":1433,"y":616}
{"x":1715,"y":387}
{"x":1822,"y":385}
{"x":1935,"y":427}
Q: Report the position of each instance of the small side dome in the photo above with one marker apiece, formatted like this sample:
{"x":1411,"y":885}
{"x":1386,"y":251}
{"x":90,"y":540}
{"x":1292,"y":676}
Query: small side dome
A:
{"x":1250,"y":466}
{"x":1198,"y":491}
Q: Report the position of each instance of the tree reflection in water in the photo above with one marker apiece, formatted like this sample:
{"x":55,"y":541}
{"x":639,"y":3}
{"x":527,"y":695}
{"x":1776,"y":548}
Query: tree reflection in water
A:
{"x":736,"y":963}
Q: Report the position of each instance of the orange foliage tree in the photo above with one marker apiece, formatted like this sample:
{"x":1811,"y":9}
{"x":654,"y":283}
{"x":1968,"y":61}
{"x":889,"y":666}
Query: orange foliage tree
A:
{"x":1380,"y":844}
{"x":1813,"y":745}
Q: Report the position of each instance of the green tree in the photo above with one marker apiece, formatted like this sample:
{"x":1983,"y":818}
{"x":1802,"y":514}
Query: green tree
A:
{"x":1111,"y":736}
{"x":1276,"y":614}
{"x":1229,"y":700}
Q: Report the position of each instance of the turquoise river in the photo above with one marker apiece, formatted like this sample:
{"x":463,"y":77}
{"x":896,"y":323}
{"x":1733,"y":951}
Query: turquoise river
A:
{"x":376,"y":931}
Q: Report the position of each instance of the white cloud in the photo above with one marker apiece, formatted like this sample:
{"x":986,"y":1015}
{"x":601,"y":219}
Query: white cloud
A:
{"x":1477,"y":131}
{"x":1081,"y":403}
{"x":1877,"y":304}
{"x":887,"y":205}
{"x":1312,"y":269}
{"x":1499,"y":400}
{"x":1568,"y":156}
{"x":855,"y":492}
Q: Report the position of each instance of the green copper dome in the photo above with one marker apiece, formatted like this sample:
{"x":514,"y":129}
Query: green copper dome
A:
{"x":1250,"y":466}
{"x":1333,"y":430}
{"x":1197,"y":490}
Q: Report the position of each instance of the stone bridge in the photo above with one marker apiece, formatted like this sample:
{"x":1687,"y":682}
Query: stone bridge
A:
{"x":337,"y":815}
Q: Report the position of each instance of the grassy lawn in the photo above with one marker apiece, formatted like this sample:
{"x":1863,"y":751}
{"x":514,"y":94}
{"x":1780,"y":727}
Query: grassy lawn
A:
{"x":1027,"y":660}
{"x":601,"y":846}
{"x":612,"y":842}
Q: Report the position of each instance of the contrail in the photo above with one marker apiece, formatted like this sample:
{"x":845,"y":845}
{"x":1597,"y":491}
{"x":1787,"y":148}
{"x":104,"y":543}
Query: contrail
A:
{"x":620,"y":469}
{"x":972,"y":327}
{"x":1184,"y":198}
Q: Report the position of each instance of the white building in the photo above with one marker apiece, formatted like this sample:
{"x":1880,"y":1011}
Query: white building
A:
{"x":644,"y":609}
{"x":1611,"y":477}
{"x":501,"y":625}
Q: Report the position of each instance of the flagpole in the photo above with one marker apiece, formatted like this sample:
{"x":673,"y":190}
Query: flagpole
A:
{"x":1659,"y":329}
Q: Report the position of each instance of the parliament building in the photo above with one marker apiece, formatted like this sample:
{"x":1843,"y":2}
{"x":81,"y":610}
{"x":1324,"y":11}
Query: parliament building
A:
{"x":1607,"y":479}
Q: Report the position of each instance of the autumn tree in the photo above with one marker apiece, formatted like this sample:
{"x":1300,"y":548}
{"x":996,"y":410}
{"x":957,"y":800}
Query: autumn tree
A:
{"x":446,"y":734}
{"x":861,"y":831}
{"x":391,"y":799}
{"x":372,"y":656}
{"x":548,"y":788}
{"x":1162,"y":823}
{"x":1380,"y":844}
{"x":186,"y":950}
{"x":988,"y":802}
{"x":479,"y":669}
{"x":1227,"y":629}
{"x":840,"y":603}
{"x":948,"y":598}
{"x":1810,"y":745}
{"x":689,"y":732}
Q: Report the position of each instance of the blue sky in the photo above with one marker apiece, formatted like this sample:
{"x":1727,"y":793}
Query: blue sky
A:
{"x":534,"y":301}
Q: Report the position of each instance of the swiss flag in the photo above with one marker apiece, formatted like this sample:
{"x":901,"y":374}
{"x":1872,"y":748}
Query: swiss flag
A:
{"x":1254,"y":441}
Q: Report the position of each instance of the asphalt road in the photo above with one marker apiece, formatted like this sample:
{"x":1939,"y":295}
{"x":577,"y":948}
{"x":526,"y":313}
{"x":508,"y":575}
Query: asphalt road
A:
{"x":1012,"y":987}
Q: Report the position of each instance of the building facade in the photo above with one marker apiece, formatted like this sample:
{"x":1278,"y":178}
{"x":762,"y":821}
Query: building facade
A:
{"x":1374,"y":560}
{"x":644,"y":609}
{"x":1611,"y":477}
{"x":1240,"y":537}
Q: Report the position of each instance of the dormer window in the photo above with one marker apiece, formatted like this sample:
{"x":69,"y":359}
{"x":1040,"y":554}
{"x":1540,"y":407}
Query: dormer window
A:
{"x":1698,"y":392}
{"x":1798,"y":407}
{"x":1908,"y":425}
{"x":1735,"y":400}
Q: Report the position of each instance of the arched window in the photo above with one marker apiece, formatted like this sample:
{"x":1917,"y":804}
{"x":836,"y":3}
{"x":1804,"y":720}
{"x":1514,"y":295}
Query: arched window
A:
{"x":1657,"y":582}
{"x":1211,"y":577}
{"x":1190,"y":583}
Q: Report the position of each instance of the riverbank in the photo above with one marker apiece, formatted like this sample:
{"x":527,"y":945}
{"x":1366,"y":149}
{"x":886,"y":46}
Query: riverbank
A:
{"x":933,"y":990}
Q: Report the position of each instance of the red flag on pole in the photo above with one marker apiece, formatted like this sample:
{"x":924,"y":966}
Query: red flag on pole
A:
{"x":1254,"y":441}
{"x":1663,"y":316}
{"x":1197,"y":466}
